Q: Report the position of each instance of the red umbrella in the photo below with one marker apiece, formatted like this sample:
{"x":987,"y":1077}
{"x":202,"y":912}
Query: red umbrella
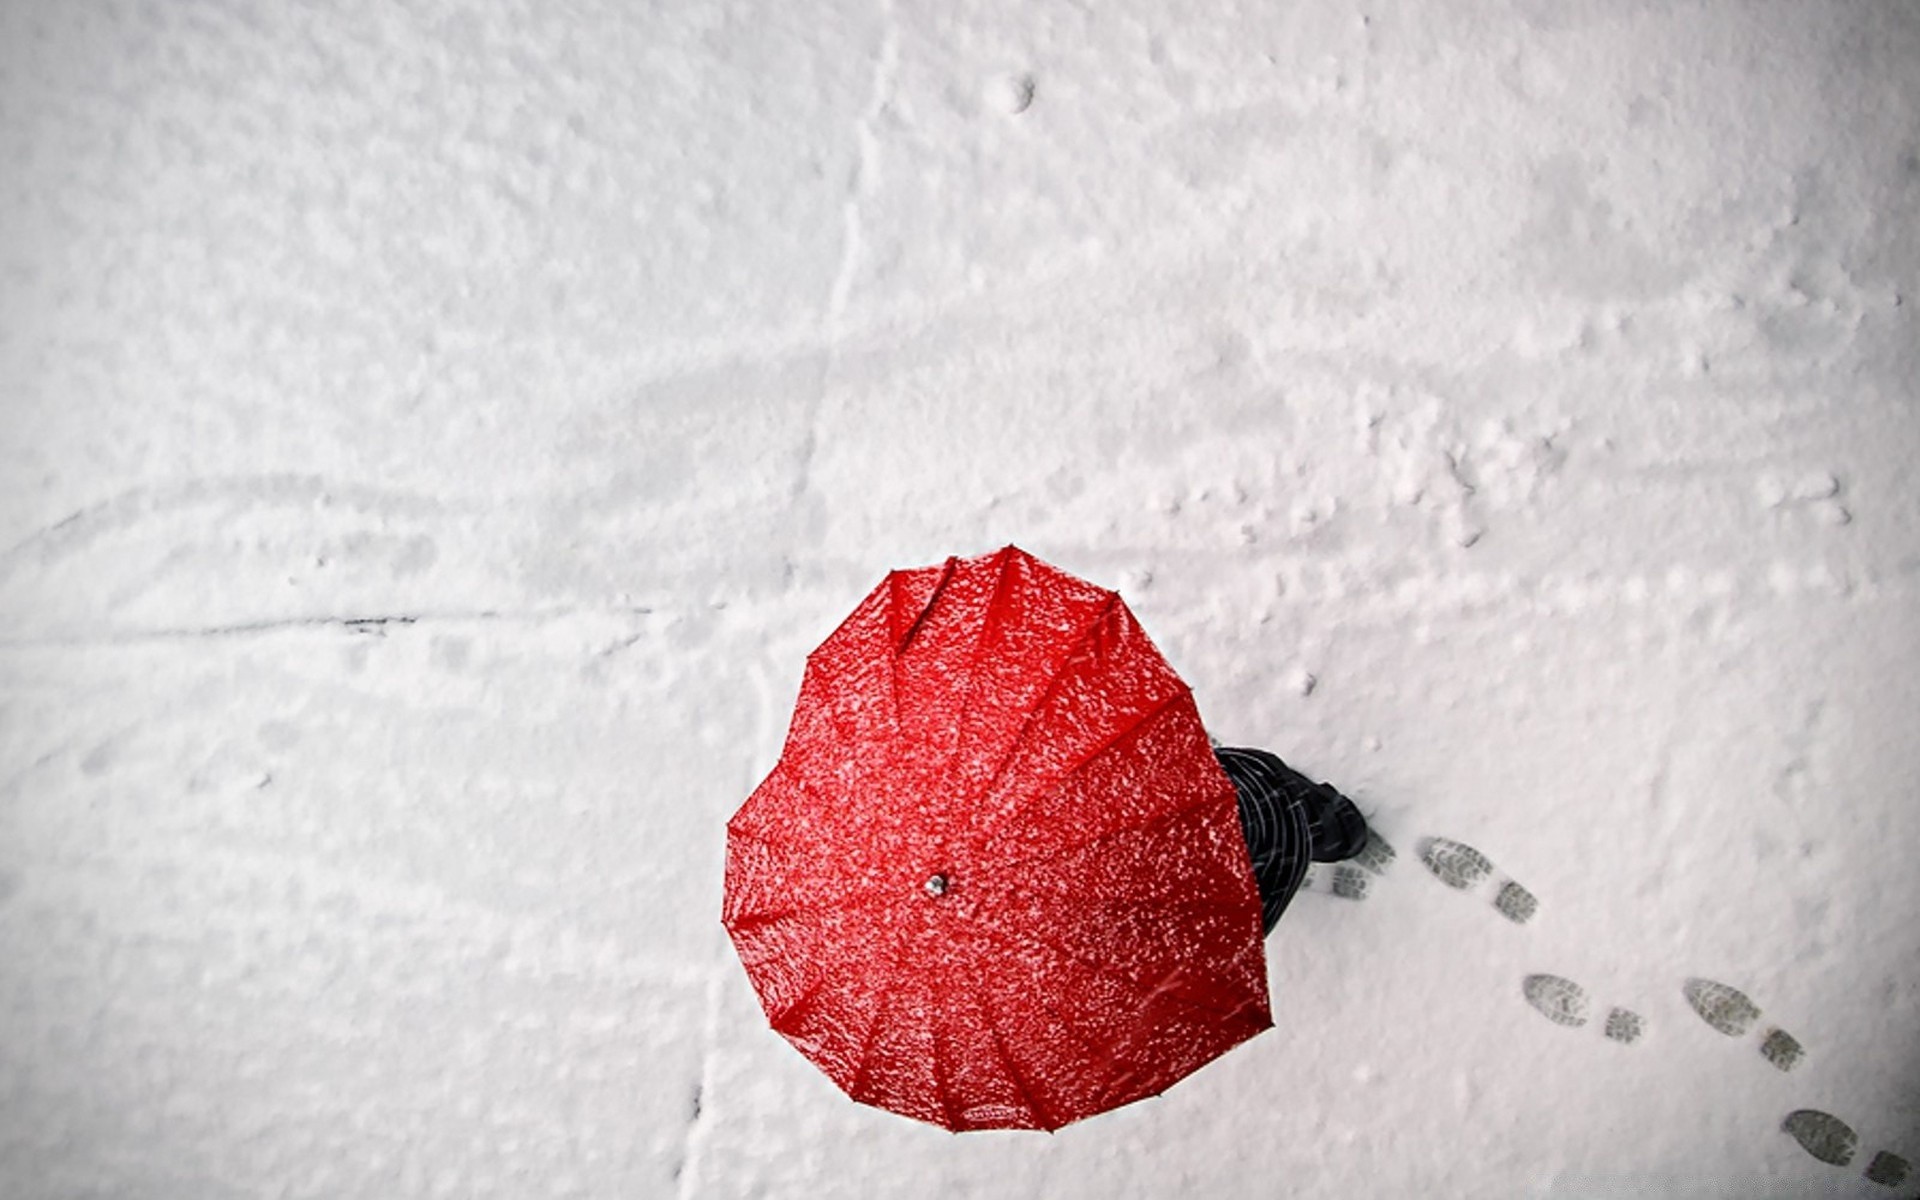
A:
{"x":997,"y":879}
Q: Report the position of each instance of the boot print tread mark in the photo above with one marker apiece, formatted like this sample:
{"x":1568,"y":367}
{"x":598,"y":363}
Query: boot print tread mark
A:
{"x":1339,"y":879}
{"x":1822,"y":1135}
{"x":1345,"y":879}
{"x":1722,"y":1007}
{"x":1625,"y":1026}
{"x":1728,"y":1010}
{"x":1377,"y":855}
{"x":1565,"y":1002}
{"x":1463,"y":868}
{"x":1833,"y":1141}
{"x":1888,"y":1170}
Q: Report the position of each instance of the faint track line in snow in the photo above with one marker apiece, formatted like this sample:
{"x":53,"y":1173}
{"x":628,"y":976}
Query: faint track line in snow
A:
{"x":866,"y":169}
{"x":860,"y":184}
{"x":129,"y":507}
{"x":374,"y":624}
{"x":1663,"y":815}
{"x":699,"y":1125}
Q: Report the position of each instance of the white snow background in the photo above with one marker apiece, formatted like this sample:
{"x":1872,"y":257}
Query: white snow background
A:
{"x":435,"y":433}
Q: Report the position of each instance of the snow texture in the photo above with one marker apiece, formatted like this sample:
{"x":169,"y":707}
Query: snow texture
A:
{"x":433,"y":435}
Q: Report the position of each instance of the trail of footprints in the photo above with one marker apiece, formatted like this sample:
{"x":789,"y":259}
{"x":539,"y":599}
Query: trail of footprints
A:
{"x":1720,"y":1006}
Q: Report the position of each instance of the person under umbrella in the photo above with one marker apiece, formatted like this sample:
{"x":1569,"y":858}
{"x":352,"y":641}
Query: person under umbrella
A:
{"x":998,"y":877}
{"x":1289,"y":821}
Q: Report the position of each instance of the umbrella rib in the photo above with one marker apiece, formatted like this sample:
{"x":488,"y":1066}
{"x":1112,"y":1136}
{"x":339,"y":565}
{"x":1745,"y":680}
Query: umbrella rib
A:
{"x":1053,"y":686}
{"x":1116,"y":1069}
{"x":751,"y":835}
{"x":941,"y":1087}
{"x":798,"y":1004}
{"x":1189,"y":909}
{"x":933,"y":598}
{"x":840,"y":903}
{"x":769,"y":916}
{"x":881,"y":1008}
{"x":1152,"y":822}
{"x":1132,"y":730}
{"x":893,"y":664}
{"x":805,"y":998}
{"x":993,"y":620}
{"x":1047,"y":1118}
{"x":1132,"y":985}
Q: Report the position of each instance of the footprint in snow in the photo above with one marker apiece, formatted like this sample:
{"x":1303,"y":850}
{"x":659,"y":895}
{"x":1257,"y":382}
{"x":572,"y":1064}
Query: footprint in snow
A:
{"x":1728,"y":1010}
{"x":1560,"y":1000}
{"x":1831,"y":1140}
{"x":1347,"y":879}
{"x":1376,"y":855}
{"x":1565,"y":1002}
{"x":1465,"y":869}
{"x":1337,"y":879}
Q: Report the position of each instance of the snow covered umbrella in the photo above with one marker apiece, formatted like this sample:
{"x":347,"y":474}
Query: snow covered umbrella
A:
{"x":997,"y":878}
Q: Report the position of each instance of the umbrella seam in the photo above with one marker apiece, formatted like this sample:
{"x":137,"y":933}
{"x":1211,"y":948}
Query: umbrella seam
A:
{"x":988,"y":624}
{"x":893,"y":664}
{"x":1117,"y":1069}
{"x":1137,"y":729}
{"x":768,"y":916}
{"x":882,"y":1007}
{"x":1003,"y":558}
{"x":933,"y":599}
{"x":807,"y":997}
{"x":940,"y":1087}
{"x":1119,"y":737}
{"x":1039,"y":706}
{"x":845,"y":622}
{"x":1060,"y":851}
{"x":839,"y":903}
{"x":1148,"y":826}
{"x":760,"y":838}
{"x":1042,"y":1112}
{"x":1132,"y":984}
{"x":799,"y":1004}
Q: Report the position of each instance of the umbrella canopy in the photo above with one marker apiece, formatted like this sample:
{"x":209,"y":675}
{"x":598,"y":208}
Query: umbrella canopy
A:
{"x":997,"y":879}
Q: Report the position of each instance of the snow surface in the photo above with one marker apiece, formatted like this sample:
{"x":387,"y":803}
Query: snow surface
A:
{"x":435,"y":434}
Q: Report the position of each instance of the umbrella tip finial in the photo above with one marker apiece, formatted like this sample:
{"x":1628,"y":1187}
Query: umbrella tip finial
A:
{"x":937,"y":885}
